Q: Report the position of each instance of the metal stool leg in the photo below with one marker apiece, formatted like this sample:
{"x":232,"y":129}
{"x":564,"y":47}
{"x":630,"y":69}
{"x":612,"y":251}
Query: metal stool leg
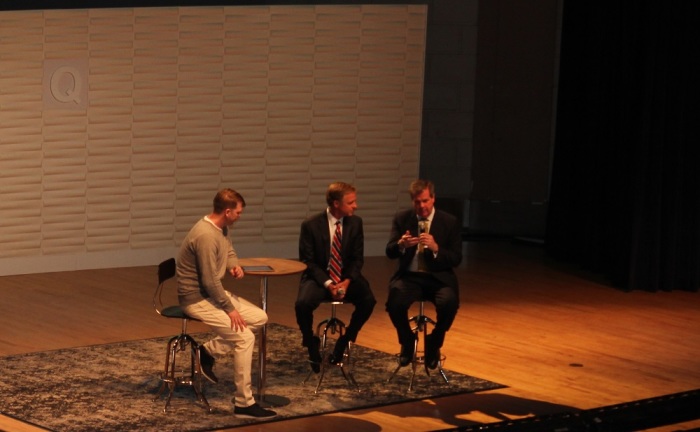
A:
{"x":419,"y":326}
{"x":333,"y":325}
{"x":167,"y":377}
{"x":191,"y":376}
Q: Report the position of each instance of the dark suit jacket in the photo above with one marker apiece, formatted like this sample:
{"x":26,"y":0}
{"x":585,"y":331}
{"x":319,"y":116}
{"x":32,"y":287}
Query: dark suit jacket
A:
{"x":446,"y":231}
{"x":314,"y":248}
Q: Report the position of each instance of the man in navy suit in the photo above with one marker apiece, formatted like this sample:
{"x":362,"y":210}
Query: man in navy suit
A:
{"x":319,"y":283}
{"x":428,"y":244}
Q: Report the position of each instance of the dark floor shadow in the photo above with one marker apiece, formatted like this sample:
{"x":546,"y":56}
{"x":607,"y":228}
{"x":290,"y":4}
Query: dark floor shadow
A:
{"x":338,"y":424}
{"x":498,"y":407}
{"x":326,"y":423}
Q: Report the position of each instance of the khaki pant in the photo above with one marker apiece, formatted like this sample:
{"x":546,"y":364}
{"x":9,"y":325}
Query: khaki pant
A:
{"x":226,"y":340}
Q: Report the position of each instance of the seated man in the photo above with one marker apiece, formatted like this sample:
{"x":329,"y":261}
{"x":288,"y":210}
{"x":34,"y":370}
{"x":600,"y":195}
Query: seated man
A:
{"x":428,"y":245}
{"x":206,"y":256}
{"x":331,"y":244}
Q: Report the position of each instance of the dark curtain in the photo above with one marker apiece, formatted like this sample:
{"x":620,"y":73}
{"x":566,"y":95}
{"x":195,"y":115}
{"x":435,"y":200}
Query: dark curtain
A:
{"x":625,"y":194}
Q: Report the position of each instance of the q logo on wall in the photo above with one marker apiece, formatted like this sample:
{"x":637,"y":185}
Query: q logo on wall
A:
{"x":65,"y":84}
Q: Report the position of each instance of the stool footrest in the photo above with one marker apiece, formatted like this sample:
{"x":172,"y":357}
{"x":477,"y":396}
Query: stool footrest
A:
{"x":333,"y":325}
{"x":191,"y":375}
{"x":419,"y":325}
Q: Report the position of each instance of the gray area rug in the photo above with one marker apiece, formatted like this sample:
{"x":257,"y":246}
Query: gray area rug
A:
{"x":112,"y":387}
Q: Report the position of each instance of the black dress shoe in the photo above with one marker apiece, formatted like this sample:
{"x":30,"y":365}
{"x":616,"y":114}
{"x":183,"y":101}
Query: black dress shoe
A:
{"x":206,"y":363}
{"x":336,"y":357}
{"x":432,"y":352}
{"x":315,"y":359}
{"x":254,"y":410}
{"x":407,"y":353}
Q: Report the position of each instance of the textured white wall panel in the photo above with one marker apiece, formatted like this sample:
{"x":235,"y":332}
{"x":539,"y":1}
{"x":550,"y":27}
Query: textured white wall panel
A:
{"x":275,"y":101}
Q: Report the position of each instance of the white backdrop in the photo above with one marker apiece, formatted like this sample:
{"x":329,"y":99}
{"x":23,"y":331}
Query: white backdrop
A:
{"x":118,"y":126}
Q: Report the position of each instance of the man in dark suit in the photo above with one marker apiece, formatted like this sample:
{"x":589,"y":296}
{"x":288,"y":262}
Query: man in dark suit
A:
{"x":327,"y":280}
{"x":428,"y":244}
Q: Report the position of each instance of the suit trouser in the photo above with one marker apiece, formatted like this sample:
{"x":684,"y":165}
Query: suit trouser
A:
{"x":312,"y":294}
{"x":412,"y":287}
{"x":242,"y":343}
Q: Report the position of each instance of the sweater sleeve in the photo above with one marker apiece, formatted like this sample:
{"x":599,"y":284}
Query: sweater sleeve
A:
{"x":231,"y":257}
{"x":201,"y":266}
{"x":212,"y":270}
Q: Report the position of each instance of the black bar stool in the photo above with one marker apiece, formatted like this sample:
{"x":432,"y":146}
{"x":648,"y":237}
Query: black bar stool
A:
{"x":182,"y":346}
{"x":333,"y":325}
{"x":419,"y":325}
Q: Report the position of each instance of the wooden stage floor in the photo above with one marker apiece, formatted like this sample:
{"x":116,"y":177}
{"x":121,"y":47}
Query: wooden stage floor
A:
{"x":559,"y":339}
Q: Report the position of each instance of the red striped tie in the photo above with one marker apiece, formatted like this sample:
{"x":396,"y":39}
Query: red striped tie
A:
{"x":336,"y":263}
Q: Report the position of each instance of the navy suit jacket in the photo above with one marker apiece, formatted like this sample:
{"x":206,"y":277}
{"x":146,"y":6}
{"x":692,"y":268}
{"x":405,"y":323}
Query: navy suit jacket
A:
{"x":446,"y":231}
{"x":315,"y":248}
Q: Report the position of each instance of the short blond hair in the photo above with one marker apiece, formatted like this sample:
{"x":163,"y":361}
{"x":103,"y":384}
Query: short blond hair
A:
{"x":336,"y":191}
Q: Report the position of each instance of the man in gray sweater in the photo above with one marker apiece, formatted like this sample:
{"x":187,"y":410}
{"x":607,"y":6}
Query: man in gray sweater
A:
{"x":205,"y":256}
